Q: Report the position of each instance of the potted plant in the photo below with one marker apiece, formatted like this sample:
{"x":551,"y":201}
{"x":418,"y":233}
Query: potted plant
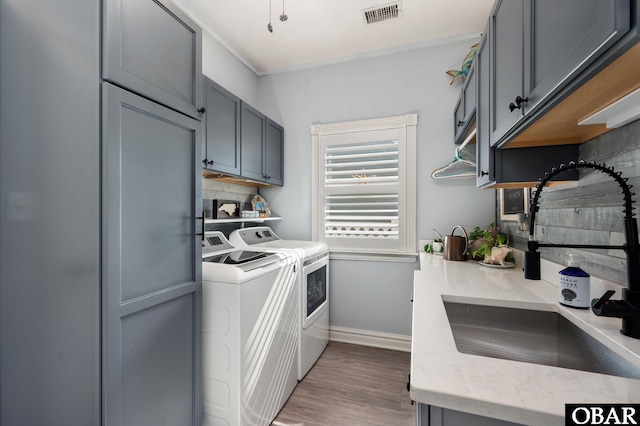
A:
{"x":482,"y":241}
{"x":437,"y":246}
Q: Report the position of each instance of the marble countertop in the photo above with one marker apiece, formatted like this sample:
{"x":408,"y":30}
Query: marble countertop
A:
{"x":508,"y":390}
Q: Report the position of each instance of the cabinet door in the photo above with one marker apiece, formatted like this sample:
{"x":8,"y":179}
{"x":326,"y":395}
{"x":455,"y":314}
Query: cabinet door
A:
{"x":562,"y":38}
{"x":222,"y":146}
{"x":465,"y":112}
{"x":430,"y":415}
{"x":152,"y":283}
{"x":506,"y":65}
{"x":458,"y":119}
{"x":252,"y":136}
{"x":469,"y":94}
{"x":484,"y":151}
{"x":152,"y":48}
{"x":50,"y":299}
{"x":274,"y":153}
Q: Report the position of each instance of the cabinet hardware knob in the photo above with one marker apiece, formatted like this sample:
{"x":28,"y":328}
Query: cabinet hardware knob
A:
{"x":210,"y":162}
{"x":202,"y":110}
{"x":519,"y":101}
{"x":460,"y":123}
{"x":204,"y":161}
{"x":483,"y":173}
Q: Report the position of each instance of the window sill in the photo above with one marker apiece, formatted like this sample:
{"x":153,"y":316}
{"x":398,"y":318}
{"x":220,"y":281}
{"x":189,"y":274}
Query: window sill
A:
{"x":373,"y":257}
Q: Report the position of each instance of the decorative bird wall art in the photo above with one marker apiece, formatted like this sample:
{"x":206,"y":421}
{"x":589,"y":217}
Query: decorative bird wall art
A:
{"x":466,"y":64}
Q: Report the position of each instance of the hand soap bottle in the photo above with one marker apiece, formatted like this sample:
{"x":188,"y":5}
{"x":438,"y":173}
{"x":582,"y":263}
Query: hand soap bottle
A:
{"x":574,"y":285}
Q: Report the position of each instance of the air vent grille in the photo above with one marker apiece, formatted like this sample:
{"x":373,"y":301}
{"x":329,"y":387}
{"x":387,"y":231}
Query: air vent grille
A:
{"x":381,"y":13}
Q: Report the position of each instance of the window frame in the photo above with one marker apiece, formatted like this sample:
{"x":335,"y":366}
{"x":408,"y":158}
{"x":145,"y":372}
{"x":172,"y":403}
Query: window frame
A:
{"x":406,"y":125}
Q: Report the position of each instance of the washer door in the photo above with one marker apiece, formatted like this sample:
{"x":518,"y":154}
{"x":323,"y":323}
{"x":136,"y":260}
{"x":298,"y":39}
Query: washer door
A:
{"x":316,"y":295}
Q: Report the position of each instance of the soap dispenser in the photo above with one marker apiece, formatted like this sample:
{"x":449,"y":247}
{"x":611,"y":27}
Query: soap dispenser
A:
{"x":574,"y":285}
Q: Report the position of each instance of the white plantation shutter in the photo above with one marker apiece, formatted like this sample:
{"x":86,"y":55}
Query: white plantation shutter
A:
{"x":364,"y":191}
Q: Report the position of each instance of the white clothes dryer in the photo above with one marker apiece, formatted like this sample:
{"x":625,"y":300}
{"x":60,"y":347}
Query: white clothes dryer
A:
{"x":313,"y":286}
{"x":250,"y":333}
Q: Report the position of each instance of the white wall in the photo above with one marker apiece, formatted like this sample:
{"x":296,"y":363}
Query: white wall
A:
{"x":395,"y":84}
{"x":224,"y":68}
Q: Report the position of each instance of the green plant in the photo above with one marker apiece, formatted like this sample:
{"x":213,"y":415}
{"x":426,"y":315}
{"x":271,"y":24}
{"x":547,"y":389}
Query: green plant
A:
{"x":485,"y":240}
{"x":429,"y":247}
{"x":477,"y":233}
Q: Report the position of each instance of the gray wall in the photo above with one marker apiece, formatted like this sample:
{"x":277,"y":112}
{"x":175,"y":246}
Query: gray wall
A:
{"x":396,"y":84}
{"x":589,"y":211}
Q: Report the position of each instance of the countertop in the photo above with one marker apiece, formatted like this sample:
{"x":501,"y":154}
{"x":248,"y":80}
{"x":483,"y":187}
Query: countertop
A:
{"x":508,"y":390}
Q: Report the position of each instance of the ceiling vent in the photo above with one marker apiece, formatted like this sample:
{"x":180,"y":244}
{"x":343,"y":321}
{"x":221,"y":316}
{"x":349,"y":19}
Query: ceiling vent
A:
{"x":383,"y":12}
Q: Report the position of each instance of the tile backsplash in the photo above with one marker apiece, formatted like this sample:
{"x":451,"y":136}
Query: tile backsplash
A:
{"x":217,"y":190}
{"x":589,"y":211}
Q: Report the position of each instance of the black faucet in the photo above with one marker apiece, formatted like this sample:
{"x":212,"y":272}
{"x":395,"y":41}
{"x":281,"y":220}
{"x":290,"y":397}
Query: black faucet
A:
{"x":628,"y":308}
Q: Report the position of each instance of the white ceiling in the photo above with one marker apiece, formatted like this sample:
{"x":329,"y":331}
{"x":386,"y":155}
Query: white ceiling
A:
{"x":327,"y":31}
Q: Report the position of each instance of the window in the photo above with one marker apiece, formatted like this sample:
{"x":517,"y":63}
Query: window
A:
{"x":364,"y":186}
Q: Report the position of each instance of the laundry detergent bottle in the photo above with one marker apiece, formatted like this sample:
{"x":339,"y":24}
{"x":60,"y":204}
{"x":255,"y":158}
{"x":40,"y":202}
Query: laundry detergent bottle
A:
{"x":574,"y":285}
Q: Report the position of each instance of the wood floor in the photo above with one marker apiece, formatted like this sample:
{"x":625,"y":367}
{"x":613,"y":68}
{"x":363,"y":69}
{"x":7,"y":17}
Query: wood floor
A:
{"x":352,"y":385}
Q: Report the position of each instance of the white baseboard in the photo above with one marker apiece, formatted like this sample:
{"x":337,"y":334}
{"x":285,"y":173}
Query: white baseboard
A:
{"x":376,"y":339}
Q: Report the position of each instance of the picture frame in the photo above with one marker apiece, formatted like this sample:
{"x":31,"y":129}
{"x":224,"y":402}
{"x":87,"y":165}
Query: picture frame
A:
{"x":514,"y":201}
{"x":261,"y":206}
{"x":226,"y":209}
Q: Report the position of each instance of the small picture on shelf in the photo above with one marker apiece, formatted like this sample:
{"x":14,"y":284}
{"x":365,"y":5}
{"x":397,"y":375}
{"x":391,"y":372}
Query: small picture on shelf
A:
{"x":512,"y":202}
{"x":226,"y":209}
{"x":261,"y":206}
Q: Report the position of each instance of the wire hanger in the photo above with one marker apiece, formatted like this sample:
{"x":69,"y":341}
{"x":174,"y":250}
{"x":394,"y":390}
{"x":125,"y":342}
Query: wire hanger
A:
{"x":463,"y":164}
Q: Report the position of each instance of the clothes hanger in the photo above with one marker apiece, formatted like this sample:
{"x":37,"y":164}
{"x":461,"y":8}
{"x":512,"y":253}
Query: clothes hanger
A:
{"x":463,"y":164}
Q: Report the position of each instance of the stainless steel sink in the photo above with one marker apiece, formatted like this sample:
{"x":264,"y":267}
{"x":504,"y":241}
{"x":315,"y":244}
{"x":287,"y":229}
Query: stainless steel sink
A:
{"x":536,"y":337}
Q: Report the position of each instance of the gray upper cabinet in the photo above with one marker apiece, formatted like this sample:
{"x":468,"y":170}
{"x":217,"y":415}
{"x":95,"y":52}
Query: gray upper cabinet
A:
{"x":221,"y":148}
{"x":274,"y":153}
{"x":497,"y":166}
{"x":562,"y":38}
{"x":153,"y":49}
{"x":539,"y":45}
{"x":151,"y":267}
{"x":240,"y":140}
{"x":458,"y":118}
{"x":484,"y":152}
{"x":252,"y":134}
{"x":506,"y":40}
{"x":465,"y":111}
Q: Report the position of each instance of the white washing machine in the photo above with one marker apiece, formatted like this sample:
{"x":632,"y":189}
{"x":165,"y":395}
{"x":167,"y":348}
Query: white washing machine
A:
{"x":313,"y":285}
{"x":250,"y":333}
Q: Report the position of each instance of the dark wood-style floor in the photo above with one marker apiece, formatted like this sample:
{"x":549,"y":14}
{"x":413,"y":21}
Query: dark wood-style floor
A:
{"x":352,"y":385}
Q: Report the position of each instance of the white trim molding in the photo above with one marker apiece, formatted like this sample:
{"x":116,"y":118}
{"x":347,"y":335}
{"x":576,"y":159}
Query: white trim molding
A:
{"x":376,"y":339}
{"x":402,"y":132}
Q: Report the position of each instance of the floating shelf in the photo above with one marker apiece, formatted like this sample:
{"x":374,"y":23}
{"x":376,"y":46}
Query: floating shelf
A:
{"x":244,"y":219}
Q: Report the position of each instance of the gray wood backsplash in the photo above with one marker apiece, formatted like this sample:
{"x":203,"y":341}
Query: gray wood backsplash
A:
{"x":589,"y":211}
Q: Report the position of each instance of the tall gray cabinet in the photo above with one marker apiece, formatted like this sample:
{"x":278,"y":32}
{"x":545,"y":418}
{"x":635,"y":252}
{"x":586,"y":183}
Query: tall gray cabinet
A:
{"x":100,"y":272}
{"x":152,"y":284}
{"x":50,"y":212}
{"x":151,"y":200}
